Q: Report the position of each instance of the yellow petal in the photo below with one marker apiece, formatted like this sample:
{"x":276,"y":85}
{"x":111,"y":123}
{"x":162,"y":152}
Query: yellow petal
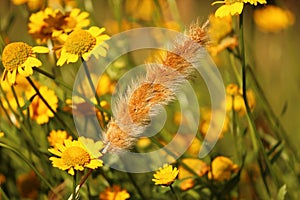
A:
{"x":40,"y":49}
{"x":62,"y":59}
{"x":237,"y":8}
{"x":32,"y":62}
{"x":72,"y":58}
{"x":71,"y":171}
{"x":4,"y":75}
{"x":11,"y":76}
{"x":82,"y":16}
{"x":95,"y":31}
{"x":74,"y":12}
{"x":217,"y":2}
{"x":55,"y":151}
{"x":56,"y":33}
{"x":68,"y":143}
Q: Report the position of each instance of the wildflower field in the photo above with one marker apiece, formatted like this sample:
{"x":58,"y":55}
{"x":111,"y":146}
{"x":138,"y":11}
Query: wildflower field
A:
{"x":149,"y":99}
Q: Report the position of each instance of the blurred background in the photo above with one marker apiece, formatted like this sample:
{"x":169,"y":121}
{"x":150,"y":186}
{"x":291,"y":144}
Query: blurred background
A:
{"x":274,"y":57}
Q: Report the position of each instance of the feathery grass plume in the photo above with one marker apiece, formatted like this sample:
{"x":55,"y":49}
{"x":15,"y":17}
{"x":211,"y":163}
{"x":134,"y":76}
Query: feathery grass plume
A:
{"x":134,"y":108}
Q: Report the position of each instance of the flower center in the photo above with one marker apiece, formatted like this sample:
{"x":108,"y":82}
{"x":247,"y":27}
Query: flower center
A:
{"x":73,"y":156}
{"x":15,"y":54}
{"x":80,"y":42}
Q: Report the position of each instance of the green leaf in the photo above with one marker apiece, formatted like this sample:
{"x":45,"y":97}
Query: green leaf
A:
{"x":281,"y":193}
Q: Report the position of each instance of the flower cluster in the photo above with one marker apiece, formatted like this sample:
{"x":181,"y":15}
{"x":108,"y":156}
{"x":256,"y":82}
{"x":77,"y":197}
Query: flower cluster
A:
{"x":234,"y":7}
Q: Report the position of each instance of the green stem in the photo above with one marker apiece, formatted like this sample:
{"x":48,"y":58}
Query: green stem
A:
{"x":8,"y":103}
{"x":174,"y":193}
{"x":50,"y":108}
{"x":59,"y":82}
{"x":136,"y":186}
{"x":18,"y":104}
{"x":87,"y":72}
{"x":257,"y":143}
{"x":2,"y":194}
{"x":6,"y":113}
{"x":28,"y":163}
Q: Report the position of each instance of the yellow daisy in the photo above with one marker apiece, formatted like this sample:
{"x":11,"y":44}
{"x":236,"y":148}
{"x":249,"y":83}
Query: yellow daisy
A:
{"x":77,"y":155}
{"x":187,"y":178}
{"x":165,"y":176}
{"x":222,"y":168}
{"x":38,"y":109}
{"x":20,"y":57}
{"x":49,"y":23}
{"x":273,"y":19}
{"x":58,"y":137}
{"x":80,"y":43}
{"x":235,"y":100}
{"x":114,"y":193}
{"x":234,"y":7}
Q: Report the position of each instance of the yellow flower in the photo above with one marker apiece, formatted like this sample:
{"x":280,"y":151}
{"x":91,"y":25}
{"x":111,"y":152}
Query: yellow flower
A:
{"x":20,"y":57}
{"x":105,"y":85}
{"x":38,"y":109}
{"x":80,"y":43}
{"x":21,"y":86}
{"x":114,"y":193}
{"x":235,"y":100}
{"x":196,"y":165}
{"x":273,"y":19}
{"x":234,"y":7}
{"x":58,"y":137}
{"x":222,"y":168}
{"x":165,"y":176}
{"x":49,"y":23}
{"x":77,"y":155}
{"x":32,"y":4}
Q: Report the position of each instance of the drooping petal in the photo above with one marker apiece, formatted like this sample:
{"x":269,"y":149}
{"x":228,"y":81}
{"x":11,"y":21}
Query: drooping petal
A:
{"x":32,"y":62}
{"x":72,"y":58}
{"x":11,"y":76}
{"x":62,"y":59}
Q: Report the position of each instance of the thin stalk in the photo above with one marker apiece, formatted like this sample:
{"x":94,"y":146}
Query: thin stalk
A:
{"x":6,"y":113}
{"x":257,"y":143}
{"x":18,"y":104}
{"x":174,"y":193}
{"x":59,"y":82}
{"x":136,"y":186}
{"x":8,"y":103}
{"x":87,"y":72}
{"x":50,"y":108}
